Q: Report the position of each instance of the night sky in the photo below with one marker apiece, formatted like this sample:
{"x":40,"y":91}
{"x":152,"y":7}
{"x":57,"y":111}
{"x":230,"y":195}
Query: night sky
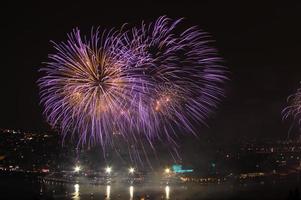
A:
{"x":260,"y":44}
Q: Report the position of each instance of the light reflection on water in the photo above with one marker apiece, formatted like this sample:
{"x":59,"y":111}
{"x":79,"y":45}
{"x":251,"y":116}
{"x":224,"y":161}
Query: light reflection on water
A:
{"x":76,"y":192}
{"x":167,"y":190}
{"x":131,"y":192}
{"x":64,"y":191}
{"x":108,"y":192}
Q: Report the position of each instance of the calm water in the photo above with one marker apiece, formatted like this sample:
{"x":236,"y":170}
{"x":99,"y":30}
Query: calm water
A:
{"x":28,"y":188}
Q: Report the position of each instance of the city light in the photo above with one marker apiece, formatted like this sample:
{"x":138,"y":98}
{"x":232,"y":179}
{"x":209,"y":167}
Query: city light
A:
{"x":131,"y":170}
{"x":77,"y":168}
{"x":108,"y":170}
{"x":285,"y":155}
{"x":179,"y":169}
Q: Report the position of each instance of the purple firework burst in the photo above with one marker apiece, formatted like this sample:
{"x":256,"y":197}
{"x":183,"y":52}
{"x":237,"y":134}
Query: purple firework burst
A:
{"x":294,"y":108}
{"x":184,"y":77}
{"x":146,"y":82}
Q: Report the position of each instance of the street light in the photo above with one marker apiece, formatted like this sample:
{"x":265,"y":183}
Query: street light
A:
{"x":167,"y":170}
{"x":131,"y":170}
{"x":108,"y":170}
{"x":77,"y":168}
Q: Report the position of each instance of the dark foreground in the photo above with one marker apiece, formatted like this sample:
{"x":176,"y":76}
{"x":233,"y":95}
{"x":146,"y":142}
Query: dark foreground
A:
{"x":29,"y":187}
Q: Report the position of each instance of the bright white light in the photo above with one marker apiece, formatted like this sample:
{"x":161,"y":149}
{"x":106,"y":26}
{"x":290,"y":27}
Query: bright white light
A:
{"x":167,"y":170}
{"x":108,"y":170}
{"x":77,"y":168}
{"x":108,"y":192}
{"x":167,"y":191}
{"x":131,"y":170}
{"x":76,"y":192}
{"x":131,"y":192}
{"x":76,"y":188}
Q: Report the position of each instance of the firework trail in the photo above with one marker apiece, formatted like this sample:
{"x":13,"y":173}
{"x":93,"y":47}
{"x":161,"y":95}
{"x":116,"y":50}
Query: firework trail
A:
{"x":183,"y":72}
{"x":147,"y":82}
{"x":294,"y":107}
{"x":293,"y":110}
{"x":87,"y":86}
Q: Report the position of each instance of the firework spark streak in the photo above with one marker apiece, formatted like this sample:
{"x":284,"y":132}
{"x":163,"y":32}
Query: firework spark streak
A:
{"x":150,"y":81}
{"x":294,"y":108}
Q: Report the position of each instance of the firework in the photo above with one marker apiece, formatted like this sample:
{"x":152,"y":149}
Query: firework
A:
{"x":184,"y":77}
{"x":294,"y":108}
{"x":87,"y":86}
{"x":149,"y":81}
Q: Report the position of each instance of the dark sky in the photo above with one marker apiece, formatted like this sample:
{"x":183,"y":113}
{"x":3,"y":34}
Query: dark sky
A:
{"x":260,"y":43}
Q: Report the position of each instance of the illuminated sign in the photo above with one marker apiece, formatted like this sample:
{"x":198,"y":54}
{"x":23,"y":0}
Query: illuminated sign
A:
{"x":178,"y":169}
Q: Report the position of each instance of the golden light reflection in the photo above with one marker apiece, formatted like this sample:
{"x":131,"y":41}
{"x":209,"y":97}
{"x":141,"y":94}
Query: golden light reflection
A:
{"x":76,"y":192}
{"x":167,"y":191}
{"x":131,"y":192}
{"x":108,"y":192}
